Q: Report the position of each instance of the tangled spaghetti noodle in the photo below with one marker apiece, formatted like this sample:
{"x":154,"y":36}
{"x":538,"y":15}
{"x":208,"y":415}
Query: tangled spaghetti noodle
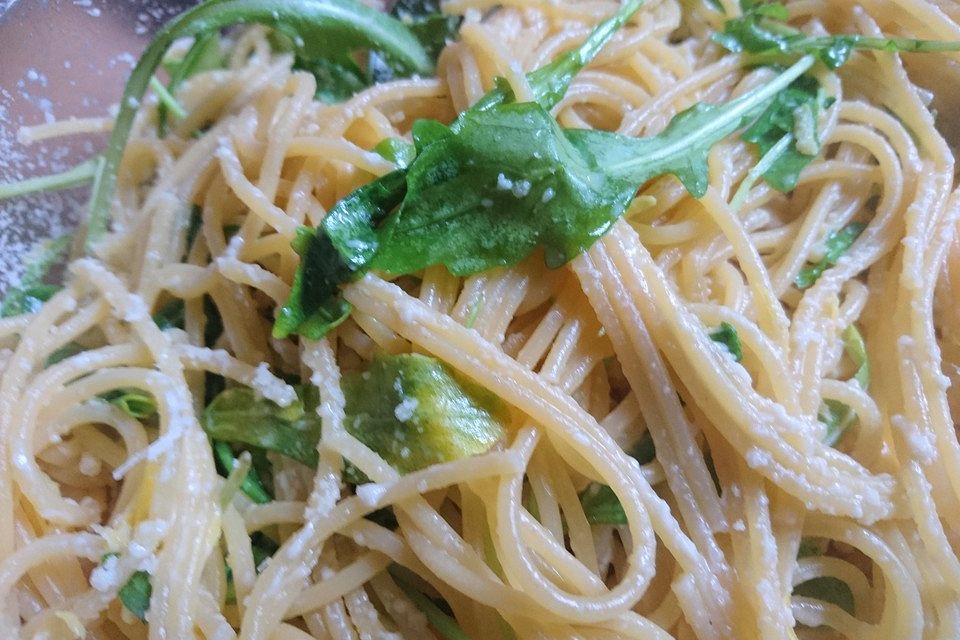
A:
{"x":747,"y":522}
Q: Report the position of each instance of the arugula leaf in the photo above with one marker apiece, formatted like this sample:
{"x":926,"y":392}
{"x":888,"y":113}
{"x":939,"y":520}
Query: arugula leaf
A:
{"x":399,"y":152}
{"x":442,"y":622}
{"x":600,"y":504}
{"x":507,"y":181}
{"x":856,"y":350}
{"x":134,"y":402}
{"x":492,"y":187}
{"x":237,"y":415}
{"x":135,"y":594}
{"x":66,"y":351}
{"x":811,"y":547}
{"x":314,"y":306}
{"x":415,"y":411}
{"x":263,"y":547}
{"x":762,"y":30}
{"x":170,"y":315}
{"x":32,"y":291}
{"x":510,"y":179}
{"x":550,"y":82}
{"x":426,"y":23}
{"x":252,"y":485}
{"x":337,"y":252}
{"x":728,"y":337}
{"x":682,"y":148}
{"x":319,"y":29}
{"x":828,"y":589}
{"x":203,"y":55}
{"x":795,"y":109}
{"x":837,"y":416}
{"x":410,"y":409}
{"x":837,"y":244}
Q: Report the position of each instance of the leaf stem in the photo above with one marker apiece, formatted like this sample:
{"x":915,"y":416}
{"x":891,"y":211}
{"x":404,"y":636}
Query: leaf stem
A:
{"x":910,"y":45}
{"x":767,"y":161}
{"x":733,"y":112}
{"x":80,"y":174}
{"x":166,"y":98}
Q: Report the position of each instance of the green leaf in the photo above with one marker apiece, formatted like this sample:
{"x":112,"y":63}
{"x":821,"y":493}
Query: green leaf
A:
{"x":237,"y":415}
{"x":683,"y":147}
{"x":337,"y":79}
{"x":600,"y":504}
{"x":837,"y":244}
{"x":728,"y":337}
{"x":443,"y":623}
{"x":856,"y":350}
{"x":134,"y":402}
{"x":796,"y":108}
{"x":427,"y":24}
{"x":32,"y":291}
{"x":66,"y":351}
{"x":838,"y":417}
{"x":135,"y":594}
{"x":510,"y":180}
{"x":644,"y":451}
{"x":490,"y":189}
{"x":811,"y":547}
{"x":828,"y":589}
{"x":171,"y":315}
{"x":550,"y":83}
{"x":507,"y":182}
{"x":319,"y":29}
{"x":337,"y":252}
{"x":415,"y":412}
{"x":399,"y":152}
{"x":252,"y":485}
{"x":762,"y":30}
{"x":263,"y":547}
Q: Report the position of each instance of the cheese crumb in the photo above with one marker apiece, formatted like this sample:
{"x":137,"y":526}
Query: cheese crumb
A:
{"x":405,"y":410}
{"x":371,"y":493}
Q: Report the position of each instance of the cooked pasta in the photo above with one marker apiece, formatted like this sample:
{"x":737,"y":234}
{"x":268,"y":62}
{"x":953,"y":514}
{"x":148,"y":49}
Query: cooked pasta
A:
{"x":786,"y":358}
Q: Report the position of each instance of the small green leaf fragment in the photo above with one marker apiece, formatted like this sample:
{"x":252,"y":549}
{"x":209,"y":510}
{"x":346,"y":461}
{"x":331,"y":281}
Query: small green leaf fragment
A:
{"x":837,"y":244}
{"x":135,"y":594}
{"x":399,"y":152}
{"x":252,"y":485}
{"x":728,"y":337}
{"x":828,"y":589}
{"x":337,"y":252}
{"x":600,"y":504}
{"x":856,"y":350}
{"x":137,"y":404}
{"x":838,"y":417}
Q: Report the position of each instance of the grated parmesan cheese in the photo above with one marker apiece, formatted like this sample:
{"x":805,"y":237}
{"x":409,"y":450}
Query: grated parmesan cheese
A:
{"x":371,"y":493}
